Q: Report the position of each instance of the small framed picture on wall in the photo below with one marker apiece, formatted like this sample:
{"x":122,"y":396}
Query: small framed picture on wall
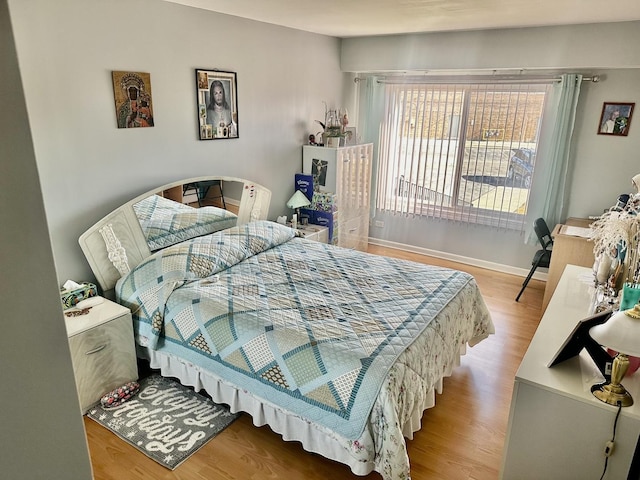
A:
{"x":132,"y":96}
{"x":615,"y":118}
{"x":217,"y":104}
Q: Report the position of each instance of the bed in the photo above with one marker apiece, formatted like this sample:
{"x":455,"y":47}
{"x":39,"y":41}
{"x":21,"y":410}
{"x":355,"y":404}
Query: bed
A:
{"x":337,"y":349}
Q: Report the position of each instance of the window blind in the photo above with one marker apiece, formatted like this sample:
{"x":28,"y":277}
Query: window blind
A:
{"x":460,"y":151}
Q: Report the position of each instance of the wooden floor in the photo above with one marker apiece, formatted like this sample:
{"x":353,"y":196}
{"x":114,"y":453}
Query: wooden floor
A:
{"x":461,"y":438}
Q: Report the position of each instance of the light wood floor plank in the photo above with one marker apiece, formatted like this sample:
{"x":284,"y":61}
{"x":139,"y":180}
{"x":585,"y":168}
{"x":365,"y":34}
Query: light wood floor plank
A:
{"x":461,"y":437}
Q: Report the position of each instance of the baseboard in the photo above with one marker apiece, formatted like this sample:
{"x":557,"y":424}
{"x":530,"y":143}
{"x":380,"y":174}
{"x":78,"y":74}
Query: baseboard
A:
{"x":497,"y":267}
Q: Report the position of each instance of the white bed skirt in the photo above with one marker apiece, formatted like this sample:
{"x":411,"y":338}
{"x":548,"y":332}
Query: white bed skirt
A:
{"x":313,"y":437}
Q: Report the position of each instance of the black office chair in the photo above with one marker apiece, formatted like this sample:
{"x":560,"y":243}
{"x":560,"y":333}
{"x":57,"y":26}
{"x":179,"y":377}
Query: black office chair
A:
{"x":542,"y":258}
{"x":201,"y":190}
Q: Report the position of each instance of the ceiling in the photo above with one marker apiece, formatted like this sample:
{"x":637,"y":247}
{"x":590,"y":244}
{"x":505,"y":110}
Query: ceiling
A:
{"x":352,"y":18}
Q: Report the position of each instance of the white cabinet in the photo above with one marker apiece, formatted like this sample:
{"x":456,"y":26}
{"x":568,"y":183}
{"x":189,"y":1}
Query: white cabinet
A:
{"x":345,"y":171}
{"x":557,"y":429}
{"x":102,"y":351}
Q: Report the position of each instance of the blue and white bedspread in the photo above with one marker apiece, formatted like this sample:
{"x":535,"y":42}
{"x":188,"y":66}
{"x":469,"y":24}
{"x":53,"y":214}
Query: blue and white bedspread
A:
{"x":165,"y":222}
{"x":312,"y":328}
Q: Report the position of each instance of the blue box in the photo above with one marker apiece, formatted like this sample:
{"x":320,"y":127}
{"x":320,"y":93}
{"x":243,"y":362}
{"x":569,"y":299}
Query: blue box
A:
{"x":304,"y":183}
{"x":324,"y":219}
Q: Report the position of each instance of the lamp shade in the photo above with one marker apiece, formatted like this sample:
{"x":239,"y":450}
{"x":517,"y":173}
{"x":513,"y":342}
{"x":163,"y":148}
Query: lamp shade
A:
{"x":621,"y":332}
{"x":298,"y":200}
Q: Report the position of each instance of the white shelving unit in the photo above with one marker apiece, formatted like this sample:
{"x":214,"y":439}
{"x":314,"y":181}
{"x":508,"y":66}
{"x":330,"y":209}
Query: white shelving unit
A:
{"x":345,"y":171}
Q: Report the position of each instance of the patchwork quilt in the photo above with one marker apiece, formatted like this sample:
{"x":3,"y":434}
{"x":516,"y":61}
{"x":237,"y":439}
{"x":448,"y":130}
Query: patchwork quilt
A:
{"x":165,"y":222}
{"x":308,"y":326}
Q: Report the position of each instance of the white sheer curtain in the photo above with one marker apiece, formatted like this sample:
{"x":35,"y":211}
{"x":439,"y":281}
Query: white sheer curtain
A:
{"x":548,"y":191}
{"x":547,"y":199}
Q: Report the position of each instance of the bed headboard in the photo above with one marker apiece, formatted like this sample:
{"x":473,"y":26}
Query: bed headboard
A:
{"x":117,"y":243}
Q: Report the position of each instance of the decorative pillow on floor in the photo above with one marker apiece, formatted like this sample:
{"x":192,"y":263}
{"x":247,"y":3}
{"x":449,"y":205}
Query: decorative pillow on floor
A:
{"x":117,"y":397}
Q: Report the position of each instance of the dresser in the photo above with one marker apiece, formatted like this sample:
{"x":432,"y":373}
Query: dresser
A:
{"x":557,"y":429}
{"x":345,"y":171}
{"x":102,"y":351}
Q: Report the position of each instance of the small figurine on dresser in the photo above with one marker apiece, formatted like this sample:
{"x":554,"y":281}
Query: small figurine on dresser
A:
{"x":344,"y":120}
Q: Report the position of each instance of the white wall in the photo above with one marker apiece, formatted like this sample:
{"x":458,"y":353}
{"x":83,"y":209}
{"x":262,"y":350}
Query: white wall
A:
{"x":601,"y":166}
{"x":67,"y":50}
{"x":572,"y":46}
{"x":36,"y":373}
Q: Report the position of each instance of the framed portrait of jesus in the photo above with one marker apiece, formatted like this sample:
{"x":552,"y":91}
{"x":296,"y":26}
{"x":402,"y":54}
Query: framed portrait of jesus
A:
{"x":217,"y":103}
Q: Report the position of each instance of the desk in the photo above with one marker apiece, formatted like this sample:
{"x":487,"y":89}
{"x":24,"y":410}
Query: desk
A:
{"x":557,"y":429}
{"x":567,"y":249}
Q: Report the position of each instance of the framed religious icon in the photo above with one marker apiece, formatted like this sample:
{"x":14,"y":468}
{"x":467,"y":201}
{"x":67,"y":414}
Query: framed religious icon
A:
{"x":132,"y":96}
{"x":615,"y":119}
{"x":217,"y":104}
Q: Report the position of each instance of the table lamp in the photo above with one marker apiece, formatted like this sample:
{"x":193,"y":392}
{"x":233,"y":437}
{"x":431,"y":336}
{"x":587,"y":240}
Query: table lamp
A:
{"x":622,"y":334}
{"x":297,"y":201}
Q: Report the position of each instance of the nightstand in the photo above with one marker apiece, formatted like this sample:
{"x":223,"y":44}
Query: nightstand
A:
{"x":314,"y":232}
{"x":102,"y":351}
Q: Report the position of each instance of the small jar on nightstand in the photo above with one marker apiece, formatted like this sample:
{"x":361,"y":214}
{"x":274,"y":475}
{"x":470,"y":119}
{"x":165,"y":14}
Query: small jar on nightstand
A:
{"x":102,"y":350}
{"x":317,"y":233}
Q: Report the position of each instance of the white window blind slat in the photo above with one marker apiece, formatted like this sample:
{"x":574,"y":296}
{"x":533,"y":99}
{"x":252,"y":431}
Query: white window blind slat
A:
{"x":446,"y":150}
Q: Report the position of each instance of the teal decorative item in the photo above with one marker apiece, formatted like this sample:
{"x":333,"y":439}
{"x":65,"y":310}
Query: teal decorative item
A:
{"x":630,"y":296}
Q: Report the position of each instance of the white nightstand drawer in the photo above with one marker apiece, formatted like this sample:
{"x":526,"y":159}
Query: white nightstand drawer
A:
{"x":103,"y":356}
{"x":314,"y":232}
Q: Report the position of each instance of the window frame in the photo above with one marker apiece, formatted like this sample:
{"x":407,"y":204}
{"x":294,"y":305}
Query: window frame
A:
{"x":390,"y":200}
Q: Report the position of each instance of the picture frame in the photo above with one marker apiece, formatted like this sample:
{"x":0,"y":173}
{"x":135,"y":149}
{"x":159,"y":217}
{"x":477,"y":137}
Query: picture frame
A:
{"x":580,"y":339}
{"x":132,"y":98}
{"x":350,"y":136}
{"x":615,"y":118}
{"x":319,"y":171}
{"x":217,"y":104}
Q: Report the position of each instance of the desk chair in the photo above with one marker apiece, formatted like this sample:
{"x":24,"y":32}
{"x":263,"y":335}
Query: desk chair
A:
{"x":542,"y":258}
{"x":202,"y":190}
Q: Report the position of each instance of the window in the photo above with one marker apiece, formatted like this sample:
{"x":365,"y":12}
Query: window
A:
{"x":458,"y":151}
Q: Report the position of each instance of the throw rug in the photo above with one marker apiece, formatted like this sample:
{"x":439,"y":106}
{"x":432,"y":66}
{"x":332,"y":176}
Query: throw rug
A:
{"x":165,"y":420}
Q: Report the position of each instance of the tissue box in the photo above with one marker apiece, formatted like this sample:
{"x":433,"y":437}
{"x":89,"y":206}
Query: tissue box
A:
{"x":329,"y":220}
{"x":324,"y":202}
{"x":71,"y":297}
{"x":304,"y":183}
{"x":326,"y":219}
